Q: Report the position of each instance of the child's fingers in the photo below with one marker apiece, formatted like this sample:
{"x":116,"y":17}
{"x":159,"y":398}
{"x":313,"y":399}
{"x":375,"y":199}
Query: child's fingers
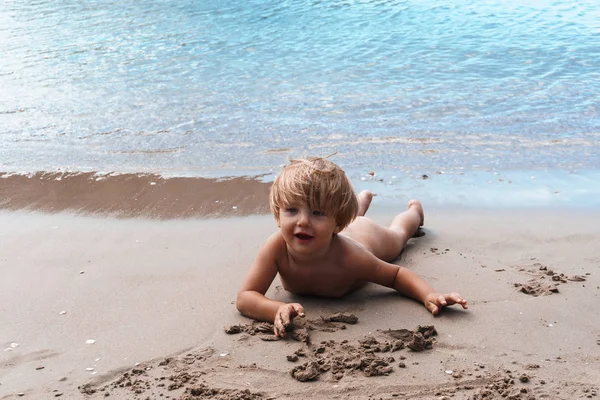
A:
{"x":282,"y":320}
{"x":441,"y":300}
{"x":298,"y":309}
{"x":279,"y":328}
{"x":455,"y":298}
{"x":285,"y":318}
{"x":432,"y":308}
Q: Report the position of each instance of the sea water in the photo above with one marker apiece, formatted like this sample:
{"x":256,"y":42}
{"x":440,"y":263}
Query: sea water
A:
{"x":453,"y":100}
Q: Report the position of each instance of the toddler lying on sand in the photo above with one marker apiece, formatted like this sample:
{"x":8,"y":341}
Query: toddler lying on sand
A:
{"x":325,"y":245}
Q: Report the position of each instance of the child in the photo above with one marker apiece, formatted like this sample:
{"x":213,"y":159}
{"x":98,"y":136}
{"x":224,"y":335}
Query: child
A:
{"x":326,"y":247}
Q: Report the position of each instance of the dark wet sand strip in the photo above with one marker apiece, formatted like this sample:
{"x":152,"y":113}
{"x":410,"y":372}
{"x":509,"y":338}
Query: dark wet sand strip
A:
{"x":133,"y":195}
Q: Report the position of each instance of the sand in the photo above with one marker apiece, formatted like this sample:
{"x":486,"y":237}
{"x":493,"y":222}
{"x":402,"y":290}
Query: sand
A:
{"x":95,"y":306}
{"x":133,"y":195}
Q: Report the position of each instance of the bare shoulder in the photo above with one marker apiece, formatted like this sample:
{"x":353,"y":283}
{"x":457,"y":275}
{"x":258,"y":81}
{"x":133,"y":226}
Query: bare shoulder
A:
{"x":352,"y":254}
{"x":274,"y":247}
{"x":364,"y":265}
{"x":266,"y":265}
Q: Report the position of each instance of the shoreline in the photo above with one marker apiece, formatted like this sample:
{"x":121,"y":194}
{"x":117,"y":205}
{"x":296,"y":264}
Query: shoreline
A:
{"x":145,"y":290}
{"x":145,"y":195}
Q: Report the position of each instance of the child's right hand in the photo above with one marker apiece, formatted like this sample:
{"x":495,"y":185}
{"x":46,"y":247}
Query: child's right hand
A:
{"x":284,"y":316}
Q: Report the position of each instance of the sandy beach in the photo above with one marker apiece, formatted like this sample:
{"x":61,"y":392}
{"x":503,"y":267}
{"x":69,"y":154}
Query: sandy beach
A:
{"x":94,"y":306}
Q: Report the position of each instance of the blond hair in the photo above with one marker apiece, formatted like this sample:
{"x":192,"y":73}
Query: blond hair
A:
{"x":320,"y":184}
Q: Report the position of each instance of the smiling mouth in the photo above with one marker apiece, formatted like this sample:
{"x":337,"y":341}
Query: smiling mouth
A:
{"x":303,"y":236}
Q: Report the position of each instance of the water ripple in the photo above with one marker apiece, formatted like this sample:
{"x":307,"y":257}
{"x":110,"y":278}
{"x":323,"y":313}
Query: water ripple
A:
{"x":294,"y":74}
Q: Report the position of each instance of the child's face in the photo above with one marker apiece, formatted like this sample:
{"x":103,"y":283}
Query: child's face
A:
{"x":306,"y":231}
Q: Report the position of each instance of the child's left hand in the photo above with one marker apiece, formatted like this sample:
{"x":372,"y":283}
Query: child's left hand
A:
{"x":435,"y":301}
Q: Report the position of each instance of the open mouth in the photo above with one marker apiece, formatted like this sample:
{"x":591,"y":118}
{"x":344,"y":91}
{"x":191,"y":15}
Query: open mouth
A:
{"x":303,"y":236}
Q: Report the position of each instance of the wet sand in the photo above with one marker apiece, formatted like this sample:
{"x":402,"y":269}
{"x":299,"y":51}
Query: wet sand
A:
{"x":133,"y":195}
{"x":93,"y":306}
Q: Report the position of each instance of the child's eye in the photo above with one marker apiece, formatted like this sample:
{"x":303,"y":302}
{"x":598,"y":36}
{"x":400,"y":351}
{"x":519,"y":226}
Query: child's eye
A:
{"x":291,"y":209}
{"x":318,"y":213}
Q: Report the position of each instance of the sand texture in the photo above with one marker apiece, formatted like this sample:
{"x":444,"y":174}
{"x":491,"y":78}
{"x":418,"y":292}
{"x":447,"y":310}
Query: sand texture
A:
{"x":97,"y":307}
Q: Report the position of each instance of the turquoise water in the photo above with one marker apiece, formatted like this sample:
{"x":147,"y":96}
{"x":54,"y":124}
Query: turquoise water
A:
{"x":403,"y":88}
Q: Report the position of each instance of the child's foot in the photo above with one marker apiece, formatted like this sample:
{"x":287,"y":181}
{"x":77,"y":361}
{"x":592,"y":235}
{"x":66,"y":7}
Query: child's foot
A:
{"x":419,"y":208}
{"x":364,"y":201}
{"x":416,"y":205}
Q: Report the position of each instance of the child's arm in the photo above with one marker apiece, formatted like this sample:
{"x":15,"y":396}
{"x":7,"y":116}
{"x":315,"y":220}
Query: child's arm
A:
{"x":407,"y":283}
{"x":251,"y":300}
{"x":412,"y":285}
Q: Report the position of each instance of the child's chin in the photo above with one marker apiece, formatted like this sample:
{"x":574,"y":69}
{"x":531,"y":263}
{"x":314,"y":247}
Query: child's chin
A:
{"x":303,"y":245}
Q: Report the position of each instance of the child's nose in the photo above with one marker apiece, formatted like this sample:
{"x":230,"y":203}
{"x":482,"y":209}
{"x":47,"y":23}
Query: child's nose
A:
{"x":303,"y":219}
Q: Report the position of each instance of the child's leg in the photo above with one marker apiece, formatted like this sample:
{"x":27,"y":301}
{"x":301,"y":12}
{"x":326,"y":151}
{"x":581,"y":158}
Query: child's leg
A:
{"x":364,"y":201}
{"x":410,"y":220}
{"x":387,"y":243}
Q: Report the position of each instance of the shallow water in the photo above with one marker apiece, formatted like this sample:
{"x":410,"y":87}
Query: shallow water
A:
{"x":220,"y":88}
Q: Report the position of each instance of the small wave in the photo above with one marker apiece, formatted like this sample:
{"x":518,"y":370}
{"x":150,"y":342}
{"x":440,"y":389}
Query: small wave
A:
{"x":15,"y":111}
{"x":383,"y":140}
{"x":150,"y":151}
{"x":279,"y":151}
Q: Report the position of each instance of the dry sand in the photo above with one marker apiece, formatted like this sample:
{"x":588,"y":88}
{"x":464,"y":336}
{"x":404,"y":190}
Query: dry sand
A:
{"x":154,"y":297}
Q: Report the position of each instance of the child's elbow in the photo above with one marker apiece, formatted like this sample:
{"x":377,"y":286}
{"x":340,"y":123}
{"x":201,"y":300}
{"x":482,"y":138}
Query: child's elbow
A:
{"x":241,"y":303}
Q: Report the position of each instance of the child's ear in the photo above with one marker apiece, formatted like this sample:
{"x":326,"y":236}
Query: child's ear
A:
{"x":337,"y":230}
